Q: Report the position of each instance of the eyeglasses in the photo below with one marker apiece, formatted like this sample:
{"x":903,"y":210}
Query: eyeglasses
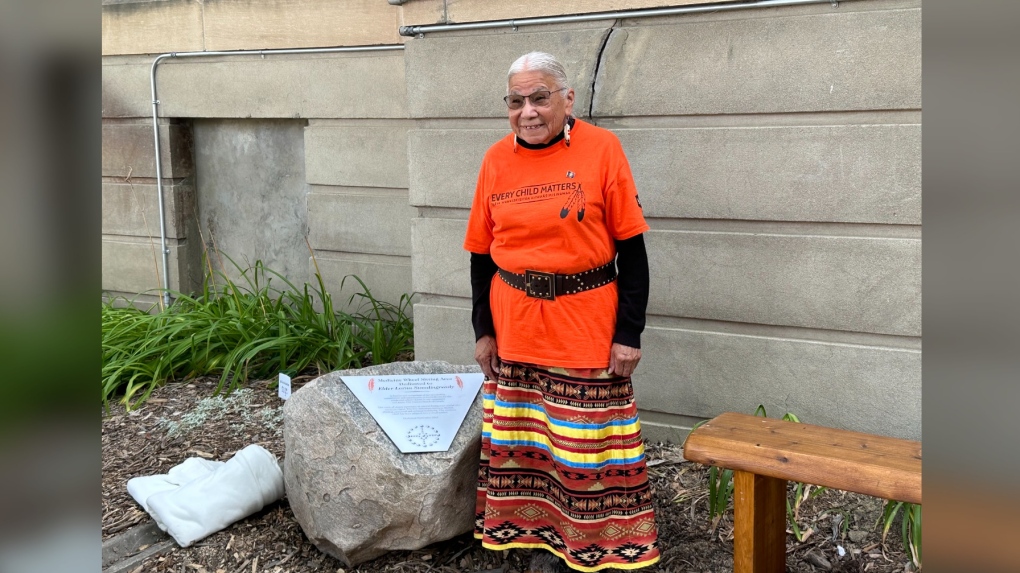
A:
{"x":537,"y":99}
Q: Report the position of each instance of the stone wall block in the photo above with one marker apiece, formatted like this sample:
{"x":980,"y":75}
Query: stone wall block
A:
{"x":833,"y":61}
{"x":440,"y":263}
{"x":442,"y":330}
{"x":844,"y":173}
{"x":481,"y":10}
{"x":357,"y":156}
{"x":152,"y":27}
{"x":835,"y":283}
{"x":126,"y":88}
{"x":388,"y":278}
{"x":299,"y":24}
{"x":360,"y":222}
{"x":343,"y":85}
{"x":863,"y":388}
{"x":450,"y":76}
{"x":444,"y":163}
{"x":422,"y":12}
{"x":136,"y":265}
{"x":129,"y":150}
{"x":133,"y":208}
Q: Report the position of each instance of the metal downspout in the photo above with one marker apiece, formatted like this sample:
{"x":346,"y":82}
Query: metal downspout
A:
{"x":159,"y":182}
{"x":646,"y":13}
{"x":155,"y":124}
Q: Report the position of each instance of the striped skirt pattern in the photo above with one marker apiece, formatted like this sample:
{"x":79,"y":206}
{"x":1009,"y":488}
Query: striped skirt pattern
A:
{"x":563,"y":469}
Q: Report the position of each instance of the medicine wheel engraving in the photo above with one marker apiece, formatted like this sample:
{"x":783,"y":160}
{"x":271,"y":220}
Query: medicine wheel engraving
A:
{"x":423,"y":436}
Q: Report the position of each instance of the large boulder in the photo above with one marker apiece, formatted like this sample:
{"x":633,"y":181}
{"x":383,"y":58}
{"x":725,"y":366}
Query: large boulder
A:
{"x":355,"y":495}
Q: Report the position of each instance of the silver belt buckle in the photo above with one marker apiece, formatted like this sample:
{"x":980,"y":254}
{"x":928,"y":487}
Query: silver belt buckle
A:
{"x":540,"y":285}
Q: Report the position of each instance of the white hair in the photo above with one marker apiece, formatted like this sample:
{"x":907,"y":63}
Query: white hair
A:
{"x":539,"y":62}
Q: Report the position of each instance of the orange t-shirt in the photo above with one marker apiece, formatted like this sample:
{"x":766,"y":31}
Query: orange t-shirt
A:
{"x":555,"y":210}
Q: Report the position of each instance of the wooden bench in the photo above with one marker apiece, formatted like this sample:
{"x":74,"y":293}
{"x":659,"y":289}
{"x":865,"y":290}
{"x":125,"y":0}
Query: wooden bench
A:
{"x":765,"y":452}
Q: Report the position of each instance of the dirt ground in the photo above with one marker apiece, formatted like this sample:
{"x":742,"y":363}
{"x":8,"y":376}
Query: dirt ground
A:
{"x":184,"y":420}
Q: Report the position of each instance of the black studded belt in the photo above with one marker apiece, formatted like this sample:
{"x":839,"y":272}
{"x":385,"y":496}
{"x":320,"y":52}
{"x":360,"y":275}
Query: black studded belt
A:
{"x":548,"y":286}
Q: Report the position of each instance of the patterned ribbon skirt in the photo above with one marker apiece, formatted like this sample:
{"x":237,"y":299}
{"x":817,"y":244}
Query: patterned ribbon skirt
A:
{"x":563,"y":469}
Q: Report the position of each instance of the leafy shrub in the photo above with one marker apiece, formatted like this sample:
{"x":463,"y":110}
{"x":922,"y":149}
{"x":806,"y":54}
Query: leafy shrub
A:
{"x":244,"y":329}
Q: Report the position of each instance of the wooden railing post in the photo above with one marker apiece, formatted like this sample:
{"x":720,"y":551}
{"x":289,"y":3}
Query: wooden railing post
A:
{"x":759,"y":520}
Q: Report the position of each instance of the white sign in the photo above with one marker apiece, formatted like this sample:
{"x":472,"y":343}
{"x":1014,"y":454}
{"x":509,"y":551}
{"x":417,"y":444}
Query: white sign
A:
{"x":419,"y":412}
{"x":284,"y":386}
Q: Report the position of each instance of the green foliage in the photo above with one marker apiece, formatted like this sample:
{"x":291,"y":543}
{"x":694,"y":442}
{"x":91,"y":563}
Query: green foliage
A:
{"x":910,"y":526}
{"x":244,"y":329}
{"x":383,"y":329}
{"x":801,"y":493}
{"x":720,"y":492}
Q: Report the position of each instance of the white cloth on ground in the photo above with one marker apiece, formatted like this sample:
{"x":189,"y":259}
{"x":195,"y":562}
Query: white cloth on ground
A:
{"x":198,"y":497}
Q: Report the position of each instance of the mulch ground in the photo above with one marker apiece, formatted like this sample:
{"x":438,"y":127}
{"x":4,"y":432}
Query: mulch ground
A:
{"x":184,"y":420}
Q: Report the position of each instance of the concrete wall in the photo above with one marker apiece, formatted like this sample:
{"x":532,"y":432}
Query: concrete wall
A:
{"x":251,"y":194}
{"x":777,"y":153}
{"x":274,"y":151}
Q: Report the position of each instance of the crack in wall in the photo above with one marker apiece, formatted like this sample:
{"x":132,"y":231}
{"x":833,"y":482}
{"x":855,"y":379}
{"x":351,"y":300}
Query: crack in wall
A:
{"x":598,"y":68}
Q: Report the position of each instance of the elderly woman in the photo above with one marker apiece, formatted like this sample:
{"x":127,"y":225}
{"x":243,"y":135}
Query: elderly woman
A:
{"x":559,"y":281}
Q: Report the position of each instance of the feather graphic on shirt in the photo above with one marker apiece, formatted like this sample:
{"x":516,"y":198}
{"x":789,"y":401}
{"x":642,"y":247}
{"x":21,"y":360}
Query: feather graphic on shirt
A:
{"x":575,"y":201}
{"x":371,"y":384}
{"x":460,"y":383}
{"x":567,"y":206}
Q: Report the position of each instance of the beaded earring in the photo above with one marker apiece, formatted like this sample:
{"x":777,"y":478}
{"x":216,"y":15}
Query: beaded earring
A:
{"x":515,"y":143}
{"x":566,"y":133}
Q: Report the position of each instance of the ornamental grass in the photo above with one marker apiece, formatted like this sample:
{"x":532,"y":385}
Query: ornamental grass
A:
{"x":251,"y":327}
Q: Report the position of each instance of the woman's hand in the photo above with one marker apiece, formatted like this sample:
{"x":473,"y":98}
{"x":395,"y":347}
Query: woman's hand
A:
{"x":486,"y":356}
{"x":622,"y":359}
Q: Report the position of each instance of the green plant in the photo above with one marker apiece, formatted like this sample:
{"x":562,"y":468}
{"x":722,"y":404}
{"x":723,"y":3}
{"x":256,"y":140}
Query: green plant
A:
{"x":382,"y":328}
{"x":720,"y":491}
{"x":910,"y":526}
{"x":801,"y":492}
{"x":244,"y":328}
